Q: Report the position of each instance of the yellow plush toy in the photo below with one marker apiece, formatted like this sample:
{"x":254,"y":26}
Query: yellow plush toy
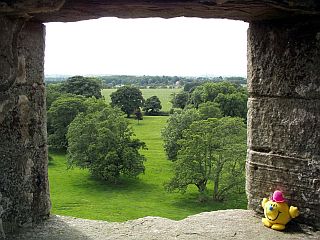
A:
{"x":277,"y":212}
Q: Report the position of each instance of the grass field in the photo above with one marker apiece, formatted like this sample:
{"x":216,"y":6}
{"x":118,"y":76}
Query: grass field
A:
{"x":75,"y":193}
{"x":164,"y":94}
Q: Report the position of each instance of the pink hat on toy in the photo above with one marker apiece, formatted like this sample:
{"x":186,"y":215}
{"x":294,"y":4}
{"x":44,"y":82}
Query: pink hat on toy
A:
{"x":278,"y":197}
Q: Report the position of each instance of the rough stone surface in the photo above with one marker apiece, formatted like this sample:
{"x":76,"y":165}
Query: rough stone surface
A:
{"x":271,"y":50}
{"x":298,"y":178}
{"x":228,"y":224}
{"x":25,"y":7}
{"x":75,"y":10}
{"x":10,"y":30}
{"x":289,"y":127}
{"x":284,"y":114}
{"x":24,"y":193}
{"x":283,"y":117}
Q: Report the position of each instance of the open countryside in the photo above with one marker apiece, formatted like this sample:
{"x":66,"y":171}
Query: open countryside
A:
{"x":77,"y":192}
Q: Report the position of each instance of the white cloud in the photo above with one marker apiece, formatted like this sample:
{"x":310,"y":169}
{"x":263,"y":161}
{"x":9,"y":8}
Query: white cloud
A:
{"x":152,"y":46}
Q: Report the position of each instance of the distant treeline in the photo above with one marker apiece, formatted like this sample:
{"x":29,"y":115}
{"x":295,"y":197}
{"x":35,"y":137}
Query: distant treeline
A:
{"x":152,"y":81}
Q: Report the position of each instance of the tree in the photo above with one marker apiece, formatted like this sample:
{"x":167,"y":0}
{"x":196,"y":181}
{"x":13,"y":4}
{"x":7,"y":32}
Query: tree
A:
{"x":127,"y":98}
{"x":53,"y":92}
{"x":213,"y":89}
{"x":209,"y":110}
{"x":197,"y":96}
{"x":138,"y":114}
{"x":212,"y":149}
{"x":190,"y":86}
{"x":180,"y":100}
{"x":209,"y":91}
{"x":85,"y":86}
{"x":152,"y":105}
{"x":60,"y":115}
{"x":234,"y":105}
{"x":176,"y":123}
{"x":101,"y":141}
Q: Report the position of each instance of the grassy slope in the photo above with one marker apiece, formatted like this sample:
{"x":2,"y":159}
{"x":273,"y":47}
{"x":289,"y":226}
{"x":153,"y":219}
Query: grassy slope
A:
{"x":75,"y":193}
{"x":163,"y":94}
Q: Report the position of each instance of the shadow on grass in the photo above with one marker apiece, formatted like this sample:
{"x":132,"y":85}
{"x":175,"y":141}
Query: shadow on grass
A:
{"x":191,"y":202}
{"x":81,"y":179}
{"x":125,"y":184}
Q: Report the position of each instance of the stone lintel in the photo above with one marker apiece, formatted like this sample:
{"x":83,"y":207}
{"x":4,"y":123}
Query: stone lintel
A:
{"x":25,"y":7}
{"x":76,"y":10}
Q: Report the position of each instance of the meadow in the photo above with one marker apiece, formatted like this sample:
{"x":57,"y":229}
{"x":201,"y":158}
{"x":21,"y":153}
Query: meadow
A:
{"x":75,"y":193}
{"x":164,"y":94}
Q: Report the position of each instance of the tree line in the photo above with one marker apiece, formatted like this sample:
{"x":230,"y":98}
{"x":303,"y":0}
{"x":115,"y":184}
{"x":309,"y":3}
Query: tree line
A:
{"x":114,"y":81}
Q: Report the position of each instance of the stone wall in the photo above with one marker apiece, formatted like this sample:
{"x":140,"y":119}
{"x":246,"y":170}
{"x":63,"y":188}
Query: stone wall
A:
{"x":284,"y":113}
{"x":284,"y":103}
{"x":24,"y":193}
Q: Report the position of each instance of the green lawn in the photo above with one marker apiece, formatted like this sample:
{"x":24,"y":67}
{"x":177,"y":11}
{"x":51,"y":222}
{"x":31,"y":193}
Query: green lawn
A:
{"x":164,"y":94}
{"x":75,"y":193}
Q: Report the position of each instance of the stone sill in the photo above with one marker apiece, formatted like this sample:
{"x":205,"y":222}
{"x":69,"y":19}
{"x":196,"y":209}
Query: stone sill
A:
{"x":226,"y":224}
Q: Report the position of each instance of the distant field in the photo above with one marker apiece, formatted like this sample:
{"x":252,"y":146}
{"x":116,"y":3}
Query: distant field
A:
{"x":75,"y":193}
{"x":164,"y":94}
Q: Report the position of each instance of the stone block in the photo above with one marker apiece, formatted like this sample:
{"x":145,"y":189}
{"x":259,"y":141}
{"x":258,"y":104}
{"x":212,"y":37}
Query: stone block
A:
{"x":289,"y":127}
{"x":297,"y":178}
{"x":284,"y":59}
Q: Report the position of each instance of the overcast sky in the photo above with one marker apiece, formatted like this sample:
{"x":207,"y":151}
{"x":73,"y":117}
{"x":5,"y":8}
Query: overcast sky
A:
{"x":151,"y":46}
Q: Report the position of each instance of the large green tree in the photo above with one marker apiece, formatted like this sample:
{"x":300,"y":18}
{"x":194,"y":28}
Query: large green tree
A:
{"x":152,"y":105}
{"x":209,"y":110}
{"x":53,"y":92}
{"x":209,"y":91}
{"x":102,"y":142}
{"x":190,"y":86}
{"x":61,"y":113}
{"x":233,"y":105}
{"x":128,"y":99}
{"x":180,"y":100}
{"x":85,"y":86}
{"x":176,"y":123}
{"x":213,"y":149}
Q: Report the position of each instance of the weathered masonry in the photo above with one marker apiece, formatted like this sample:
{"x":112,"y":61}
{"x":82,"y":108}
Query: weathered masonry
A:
{"x":284,"y":103}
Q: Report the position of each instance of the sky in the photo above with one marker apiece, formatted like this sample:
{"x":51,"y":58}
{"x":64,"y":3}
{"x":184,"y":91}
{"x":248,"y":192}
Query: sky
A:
{"x":150,"y":46}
